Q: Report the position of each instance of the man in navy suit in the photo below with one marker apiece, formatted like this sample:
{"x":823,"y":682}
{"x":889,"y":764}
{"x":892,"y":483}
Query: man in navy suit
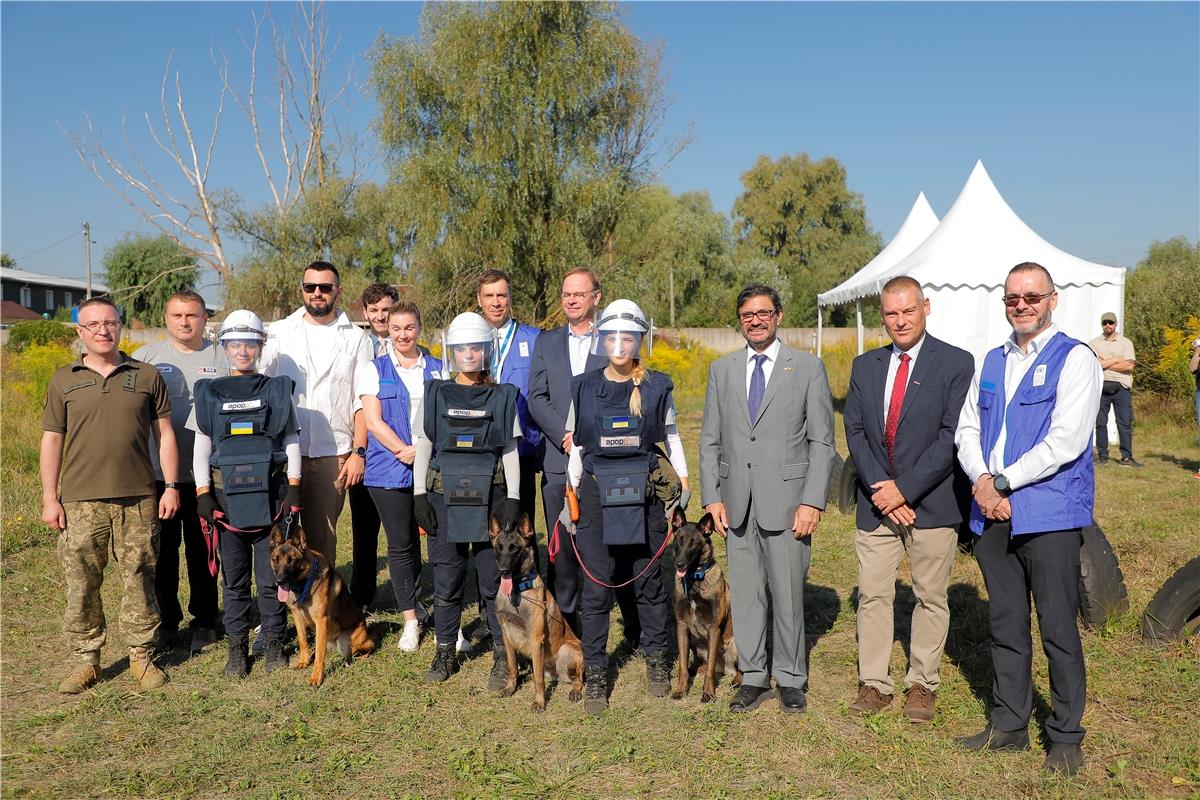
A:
{"x":901,"y":414}
{"x":514,"y":353}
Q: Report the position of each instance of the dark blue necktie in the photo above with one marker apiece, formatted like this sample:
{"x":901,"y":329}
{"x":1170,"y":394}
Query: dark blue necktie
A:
{"x":758,"y":386}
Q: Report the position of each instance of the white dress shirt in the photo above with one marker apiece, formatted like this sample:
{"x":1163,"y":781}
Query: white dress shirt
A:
{"x":579,"y":346}
{"x":380,"y":345}
{"x":772,"y":354}
{"x":894,"y":367}
{"x":1071,"y":422}
{"x":505,"y":335}
{"x":413,"y":379}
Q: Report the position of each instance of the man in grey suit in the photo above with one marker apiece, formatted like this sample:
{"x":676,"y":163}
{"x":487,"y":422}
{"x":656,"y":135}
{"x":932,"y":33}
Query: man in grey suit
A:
{"x":766,"y":453}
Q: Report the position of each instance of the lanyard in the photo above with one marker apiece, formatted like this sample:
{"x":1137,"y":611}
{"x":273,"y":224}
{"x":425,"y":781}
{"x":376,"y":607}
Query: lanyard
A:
{"x":502,"y":351}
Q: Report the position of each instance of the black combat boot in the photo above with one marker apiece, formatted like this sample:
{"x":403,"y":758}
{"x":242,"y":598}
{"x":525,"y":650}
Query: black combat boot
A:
{"x":445,"y":664}
{"x":275,"y":657}
{"x":498,"y":677}
{"x":596,"y":690}
{"x":237,"y":666}
{"x":658,"y":674}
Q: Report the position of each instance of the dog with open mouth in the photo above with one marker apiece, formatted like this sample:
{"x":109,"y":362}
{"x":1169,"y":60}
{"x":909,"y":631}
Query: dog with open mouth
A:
{"x":703,"y":622}
{"x":530,"y":619}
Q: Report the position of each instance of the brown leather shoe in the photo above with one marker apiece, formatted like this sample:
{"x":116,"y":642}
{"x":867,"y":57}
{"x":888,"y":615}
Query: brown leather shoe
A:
{"x":918,"y":703}
{"x":83,"y":677}
{"x":870,"y":700}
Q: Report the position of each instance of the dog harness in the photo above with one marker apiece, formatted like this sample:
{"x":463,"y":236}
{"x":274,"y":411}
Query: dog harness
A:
{"x":302,"y":598}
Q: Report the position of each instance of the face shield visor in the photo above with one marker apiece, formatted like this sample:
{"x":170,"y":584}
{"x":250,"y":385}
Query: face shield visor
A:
{"x":622,"y":336}
{"x":468,"y":356}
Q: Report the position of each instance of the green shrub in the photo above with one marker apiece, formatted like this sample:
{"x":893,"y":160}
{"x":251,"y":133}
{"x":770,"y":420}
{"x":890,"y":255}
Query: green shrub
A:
{"x":1173,"y":358}
{"x":1160,"y":295}
{"x":40,"y":331}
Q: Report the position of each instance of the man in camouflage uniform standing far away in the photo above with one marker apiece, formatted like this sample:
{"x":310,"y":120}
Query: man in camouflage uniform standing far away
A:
{"x":98,"y":491}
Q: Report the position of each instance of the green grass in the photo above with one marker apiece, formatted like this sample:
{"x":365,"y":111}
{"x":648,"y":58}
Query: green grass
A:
{"x":374,"y":730}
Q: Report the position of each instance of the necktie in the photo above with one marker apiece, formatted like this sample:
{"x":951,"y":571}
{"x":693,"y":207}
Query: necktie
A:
{"x":758,"y":387}
{"x":893,"y":417}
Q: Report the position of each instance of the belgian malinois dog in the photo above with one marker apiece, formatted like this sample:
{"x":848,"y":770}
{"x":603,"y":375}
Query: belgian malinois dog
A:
{"x":530,"y":620}
{"x":703,"y":624}
{"x":319,"y":599}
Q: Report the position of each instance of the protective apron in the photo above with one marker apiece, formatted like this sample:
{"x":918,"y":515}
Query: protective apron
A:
{"x":469,"y":427}
{"x":246,"y":417}
{"x":618,"y":448}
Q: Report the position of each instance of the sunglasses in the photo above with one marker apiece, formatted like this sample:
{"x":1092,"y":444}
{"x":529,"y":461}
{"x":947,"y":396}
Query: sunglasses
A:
{"x":310,"y":288}
{"x":1012,"y":300}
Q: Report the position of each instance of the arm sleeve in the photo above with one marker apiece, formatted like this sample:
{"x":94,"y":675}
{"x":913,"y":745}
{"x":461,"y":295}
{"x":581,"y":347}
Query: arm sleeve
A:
{"x":869,"y":470}
{"x":673,"y":441}
{"x":710,"y":442}
{"x":538,"y":397}
{"x":966,"y":438}
{"x":511,"y":461}
{"x":420,"y":465}
{"x":366,"y":377}
{"x":291,"y":446}
{"x":201,"y":453}
{"x":54,"y":413}
{"x":162,"y":398}
{"x":819,"y":425}
{"x":575,"y":465}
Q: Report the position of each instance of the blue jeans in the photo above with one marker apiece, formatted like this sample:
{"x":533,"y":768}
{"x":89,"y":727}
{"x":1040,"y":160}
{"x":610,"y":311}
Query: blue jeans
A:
{"x":1122,"y":403}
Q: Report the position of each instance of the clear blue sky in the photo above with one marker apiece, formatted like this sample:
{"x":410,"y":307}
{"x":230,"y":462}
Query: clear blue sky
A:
{"x":1087,"y":115}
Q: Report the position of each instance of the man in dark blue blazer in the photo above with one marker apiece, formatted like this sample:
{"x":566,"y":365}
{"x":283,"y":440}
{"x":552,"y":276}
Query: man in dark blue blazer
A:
{"x":901,"y":414}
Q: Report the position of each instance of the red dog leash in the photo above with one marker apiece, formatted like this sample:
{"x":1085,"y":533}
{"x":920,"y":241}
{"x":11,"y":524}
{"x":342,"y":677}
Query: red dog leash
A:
{"x":654,"y":560}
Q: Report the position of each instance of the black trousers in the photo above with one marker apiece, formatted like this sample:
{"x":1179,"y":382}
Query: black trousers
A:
{"x":241,"y":552}
{"x":1121,"y":401}
{"x":395,"y":508}
{"x":529,"y":481}
{"x":449,"y":561}
{"x":617,"y":564}
{"x":364,"y":534}
{"x":564,"y":573}
{"x":1045,"y":565}
{"x":184,"y":528}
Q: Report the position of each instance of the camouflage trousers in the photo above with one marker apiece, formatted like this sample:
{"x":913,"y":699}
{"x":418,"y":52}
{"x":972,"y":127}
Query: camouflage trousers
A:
{"x":128,"y":528}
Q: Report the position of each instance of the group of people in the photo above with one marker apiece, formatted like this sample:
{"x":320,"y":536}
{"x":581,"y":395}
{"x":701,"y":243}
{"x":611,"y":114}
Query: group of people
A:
{"x":212,"y":446}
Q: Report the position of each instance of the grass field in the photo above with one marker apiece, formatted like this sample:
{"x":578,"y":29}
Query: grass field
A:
{"x":374,"y":730}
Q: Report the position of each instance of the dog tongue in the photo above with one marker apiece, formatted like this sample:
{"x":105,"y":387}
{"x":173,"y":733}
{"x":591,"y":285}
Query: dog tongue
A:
{"x":679,"y":573}
{"x":506,"y":585}
{"x":283,"y":594}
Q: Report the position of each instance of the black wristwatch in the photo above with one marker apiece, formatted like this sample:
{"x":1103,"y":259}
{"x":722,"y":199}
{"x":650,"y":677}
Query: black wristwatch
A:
{"x":1001,"y":484}
{"x":171,"y":485}
{"x":360,"y":452}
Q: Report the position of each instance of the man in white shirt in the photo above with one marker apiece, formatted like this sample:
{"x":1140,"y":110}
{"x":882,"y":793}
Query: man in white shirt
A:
{"x":329,"y":359}
{"x":1024,"y":439}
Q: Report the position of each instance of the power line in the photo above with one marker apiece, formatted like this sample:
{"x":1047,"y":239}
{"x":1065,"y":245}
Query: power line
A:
{"x":70,"y":235}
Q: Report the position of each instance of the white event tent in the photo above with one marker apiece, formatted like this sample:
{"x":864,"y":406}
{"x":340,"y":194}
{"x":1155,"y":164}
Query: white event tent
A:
{"x":917,"y":226}
{"x":962,"y":264}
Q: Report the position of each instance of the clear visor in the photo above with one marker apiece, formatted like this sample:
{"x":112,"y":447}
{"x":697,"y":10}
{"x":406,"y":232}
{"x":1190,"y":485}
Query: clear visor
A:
{"x":471,"y":357}
{"x":242,"y":352}
{"x":617,"y":344}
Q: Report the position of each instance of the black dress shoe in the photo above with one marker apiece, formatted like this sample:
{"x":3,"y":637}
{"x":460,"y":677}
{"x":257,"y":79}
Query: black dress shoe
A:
{"x":1064,"y":758}
{"x":792,"y":700}
{"x":749,"y":698}
{"x":991,"y":739}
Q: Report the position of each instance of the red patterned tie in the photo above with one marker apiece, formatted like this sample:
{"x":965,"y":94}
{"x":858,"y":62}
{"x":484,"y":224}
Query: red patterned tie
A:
{"x":897,"y":402}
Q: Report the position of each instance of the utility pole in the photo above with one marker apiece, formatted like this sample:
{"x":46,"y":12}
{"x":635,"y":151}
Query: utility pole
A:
{"x":671,"y":291}
{"x":87,"y":255}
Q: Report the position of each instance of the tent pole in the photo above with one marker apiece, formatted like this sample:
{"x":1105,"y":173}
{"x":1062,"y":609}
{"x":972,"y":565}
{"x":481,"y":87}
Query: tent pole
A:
{"x":858,"y":316}
{"x":818,"y":329}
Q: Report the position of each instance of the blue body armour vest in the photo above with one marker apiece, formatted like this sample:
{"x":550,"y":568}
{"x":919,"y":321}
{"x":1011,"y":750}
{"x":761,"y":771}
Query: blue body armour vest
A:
{"x":247,"y":417}
{"x":469,"y":427}
{"x":618,"y":446}
{"x":1063,"y":501}
{"x":384,"y":470}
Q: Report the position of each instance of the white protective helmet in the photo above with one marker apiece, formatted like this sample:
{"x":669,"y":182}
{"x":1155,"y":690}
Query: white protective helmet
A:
{"x":622,"y":329}
{"x":242,"y":325}
{"x":469,"y":344}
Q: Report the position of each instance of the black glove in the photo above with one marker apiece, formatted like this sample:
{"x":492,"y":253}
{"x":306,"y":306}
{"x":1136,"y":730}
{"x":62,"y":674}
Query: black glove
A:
{"x":292,"y":498}
{"x":423,"y":511}
{"x":510,"y":512}
{"x":207,"y":507}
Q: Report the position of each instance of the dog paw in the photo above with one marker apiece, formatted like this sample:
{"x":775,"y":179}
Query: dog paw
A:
{"x":537,"y":707}
{"x":575,"y":696}
{"x":676,"y":695}
{"x":316,"y":680}
{"x":301,"y":663}
{"x":707,"y":698}
{"x":508,"y":691}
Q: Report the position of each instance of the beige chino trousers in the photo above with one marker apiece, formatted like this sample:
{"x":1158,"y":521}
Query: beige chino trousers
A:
{"x":323,"y":496}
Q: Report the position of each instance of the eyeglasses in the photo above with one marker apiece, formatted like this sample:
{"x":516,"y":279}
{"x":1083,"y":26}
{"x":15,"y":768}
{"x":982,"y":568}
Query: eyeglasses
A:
{"x":311,"y":288}
{"x":108,"y":324}
{"x":763,"y":315}
{"x":1011,"y":300}
{"x":577,"y":295}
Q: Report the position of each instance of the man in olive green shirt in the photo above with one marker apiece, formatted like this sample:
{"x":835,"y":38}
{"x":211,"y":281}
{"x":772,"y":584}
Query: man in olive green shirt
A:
{"x":98,"y":491}
{"x":1116,"y":359}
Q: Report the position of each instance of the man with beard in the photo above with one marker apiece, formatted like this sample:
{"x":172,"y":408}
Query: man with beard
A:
{"x":1024,"y":439}
{"x":329,"y":360}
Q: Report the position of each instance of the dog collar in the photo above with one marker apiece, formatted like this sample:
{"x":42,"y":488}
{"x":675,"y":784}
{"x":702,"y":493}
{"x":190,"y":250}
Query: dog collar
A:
{"x":526,"y":582}
{"x":312,"y":576}
{"x":698,"y":575}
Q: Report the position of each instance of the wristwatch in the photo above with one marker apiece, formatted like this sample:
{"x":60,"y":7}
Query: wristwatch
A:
{"x":360,"y":451}
{"x":1001,"y":484}
{"x":171,"y":485}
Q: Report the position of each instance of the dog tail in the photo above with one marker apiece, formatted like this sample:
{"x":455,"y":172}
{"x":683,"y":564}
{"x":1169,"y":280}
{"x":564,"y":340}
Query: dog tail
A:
{"x":361,"y":643}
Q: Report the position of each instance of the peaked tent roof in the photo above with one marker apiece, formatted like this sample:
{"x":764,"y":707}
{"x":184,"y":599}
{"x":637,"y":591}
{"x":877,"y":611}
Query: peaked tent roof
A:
{"x":979,"y":241}
{"x":920,"y":222}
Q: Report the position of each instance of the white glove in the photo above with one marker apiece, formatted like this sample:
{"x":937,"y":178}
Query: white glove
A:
{"x":564,"y":519}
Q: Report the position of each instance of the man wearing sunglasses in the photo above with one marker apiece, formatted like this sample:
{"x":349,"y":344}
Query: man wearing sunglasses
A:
{"x":98,"y":491}
{"x":328,"y":359}
{"x":1116,"y":359}
{"x":1024,"y":439}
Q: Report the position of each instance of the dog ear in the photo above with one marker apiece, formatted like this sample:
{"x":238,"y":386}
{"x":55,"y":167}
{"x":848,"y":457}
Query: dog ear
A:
{"x":706,"y":525}
{"x":678,"y":518}
{"x":276,"y":537}
{"x":526,"y":526}
{"x":301,"y":539}
{"x":494,"y":527}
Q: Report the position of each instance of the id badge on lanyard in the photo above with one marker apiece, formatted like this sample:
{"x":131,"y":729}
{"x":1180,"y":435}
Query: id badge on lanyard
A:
{"x":502,"y":350}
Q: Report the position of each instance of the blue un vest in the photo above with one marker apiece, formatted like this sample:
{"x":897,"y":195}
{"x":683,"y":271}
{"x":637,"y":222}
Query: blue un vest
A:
{"x":515,"y":371}
{"x":1064,"y":500}
{"x":384,"y":470}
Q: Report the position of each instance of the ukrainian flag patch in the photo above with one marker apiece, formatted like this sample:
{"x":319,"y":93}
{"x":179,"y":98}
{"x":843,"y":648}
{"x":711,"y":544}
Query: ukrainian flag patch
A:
{"x":241,"y":428}
{"x":620,"y":422}
{"x":464,"y":441}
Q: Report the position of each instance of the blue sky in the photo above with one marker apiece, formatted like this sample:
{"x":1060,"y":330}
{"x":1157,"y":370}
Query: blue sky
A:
{"x":1087,"y":115}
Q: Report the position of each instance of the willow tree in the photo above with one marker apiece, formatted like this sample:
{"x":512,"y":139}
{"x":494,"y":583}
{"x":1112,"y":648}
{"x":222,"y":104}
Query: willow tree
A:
{"x":516,"y":132}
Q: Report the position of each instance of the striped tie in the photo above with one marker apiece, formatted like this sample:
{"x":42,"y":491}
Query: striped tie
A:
{"x":758,"y":387}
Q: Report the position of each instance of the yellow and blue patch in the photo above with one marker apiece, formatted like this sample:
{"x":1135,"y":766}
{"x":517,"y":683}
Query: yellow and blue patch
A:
{"x":241,"y":428}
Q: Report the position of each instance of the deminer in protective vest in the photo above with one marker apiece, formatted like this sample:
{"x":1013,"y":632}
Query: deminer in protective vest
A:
{"x":247,"y":440}
{"x":466,"y":469}
{"x":618,"y":416}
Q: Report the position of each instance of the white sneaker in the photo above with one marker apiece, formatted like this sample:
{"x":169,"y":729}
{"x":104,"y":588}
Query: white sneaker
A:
{"x":464,"y":644}
{"x":410,"y":640}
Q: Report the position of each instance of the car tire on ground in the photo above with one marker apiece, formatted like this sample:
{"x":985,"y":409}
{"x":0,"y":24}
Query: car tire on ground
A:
{"x":1102,"y":590}
{"x":833,"y":495}
{"x":1174,"y":611}
{"x":847,"y":497}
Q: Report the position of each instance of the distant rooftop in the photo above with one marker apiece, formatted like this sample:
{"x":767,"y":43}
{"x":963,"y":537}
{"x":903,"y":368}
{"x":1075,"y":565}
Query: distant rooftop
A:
{"x":11,"y":274}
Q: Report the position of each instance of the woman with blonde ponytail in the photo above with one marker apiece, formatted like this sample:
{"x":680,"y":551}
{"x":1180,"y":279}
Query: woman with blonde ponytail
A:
{"x":617,"y":417}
